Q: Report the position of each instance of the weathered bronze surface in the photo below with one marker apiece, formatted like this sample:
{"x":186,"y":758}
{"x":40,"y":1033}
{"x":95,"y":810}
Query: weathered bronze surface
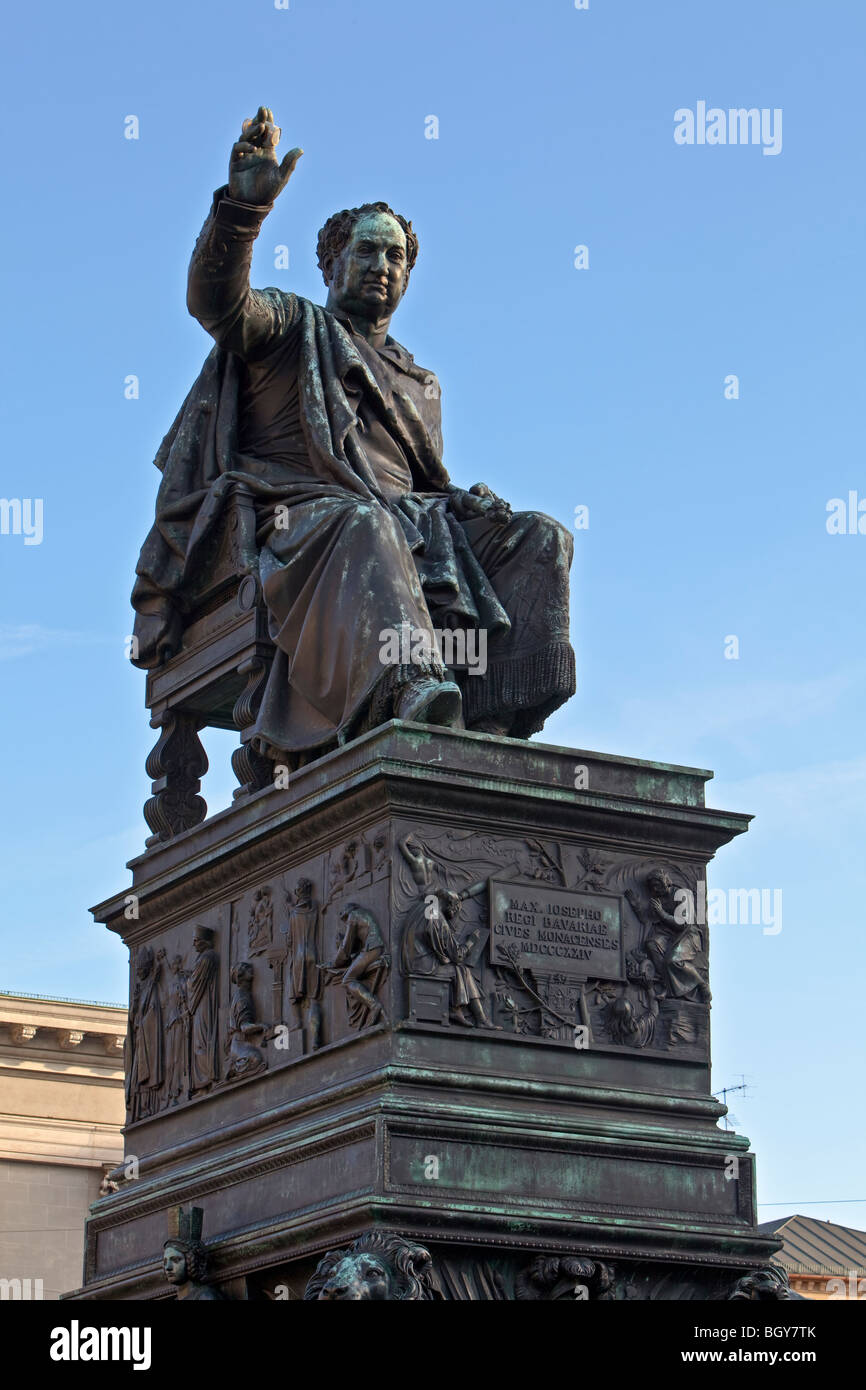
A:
{"x":362,"y":548}
{"x":541,"y":1125}
{"x":420,"y":1016}
{"x":184,"y":1259}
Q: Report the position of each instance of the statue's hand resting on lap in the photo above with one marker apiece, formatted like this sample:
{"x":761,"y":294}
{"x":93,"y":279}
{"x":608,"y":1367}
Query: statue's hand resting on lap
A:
{"x":254,"y":175}
{"x":479,"y":501}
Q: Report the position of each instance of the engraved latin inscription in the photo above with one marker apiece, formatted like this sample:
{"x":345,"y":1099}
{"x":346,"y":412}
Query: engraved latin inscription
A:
{"x":550,"y":930}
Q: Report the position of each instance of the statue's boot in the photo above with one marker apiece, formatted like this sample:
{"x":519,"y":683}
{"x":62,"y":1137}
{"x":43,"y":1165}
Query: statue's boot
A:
{"x":430,"y":702}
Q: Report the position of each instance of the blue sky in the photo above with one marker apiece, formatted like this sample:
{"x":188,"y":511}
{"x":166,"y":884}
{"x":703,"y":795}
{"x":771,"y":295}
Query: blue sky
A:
{"x":601,"y":387}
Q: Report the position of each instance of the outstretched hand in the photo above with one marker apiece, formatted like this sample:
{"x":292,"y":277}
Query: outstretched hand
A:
{"x":255,"y":176}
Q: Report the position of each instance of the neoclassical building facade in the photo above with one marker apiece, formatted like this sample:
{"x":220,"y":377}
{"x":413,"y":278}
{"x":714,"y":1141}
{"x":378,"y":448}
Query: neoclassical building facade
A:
{"x":61,"y":1112}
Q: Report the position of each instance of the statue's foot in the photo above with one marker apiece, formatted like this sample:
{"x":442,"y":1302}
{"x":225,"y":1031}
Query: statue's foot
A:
{"x":430,"y":702}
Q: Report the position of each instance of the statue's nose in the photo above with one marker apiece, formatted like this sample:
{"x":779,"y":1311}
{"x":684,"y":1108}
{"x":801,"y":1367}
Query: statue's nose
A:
{"x":335,"y":1289}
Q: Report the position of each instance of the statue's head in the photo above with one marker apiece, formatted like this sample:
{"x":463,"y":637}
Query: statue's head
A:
{"x":366,"y":255}
{"x":144,"y":963}
{"x":449,"y":903}
{"x":761,"y":1286}
{"x":659,"y":883}
{"x":242,"y":974}
{"x":304,"y":890}
{"x":377,"y":1266}
{"x":357,"y":1278}
{"x":202,"y":939}
{"x":183,"y":1260}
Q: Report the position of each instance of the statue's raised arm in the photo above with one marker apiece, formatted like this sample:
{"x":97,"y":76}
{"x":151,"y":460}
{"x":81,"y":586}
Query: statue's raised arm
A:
{"x":390,"y":593}
{"x":245,"y":321}
{"x":254,"y":175}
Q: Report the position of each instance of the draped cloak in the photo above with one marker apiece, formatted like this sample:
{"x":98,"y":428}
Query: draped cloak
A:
{"x":341,"y":557}
{"x":145,"y":1069}
{"x":204,"y":1009}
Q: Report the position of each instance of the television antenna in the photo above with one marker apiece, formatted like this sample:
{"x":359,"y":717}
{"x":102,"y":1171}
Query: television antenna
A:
{"x":744,"y":1087}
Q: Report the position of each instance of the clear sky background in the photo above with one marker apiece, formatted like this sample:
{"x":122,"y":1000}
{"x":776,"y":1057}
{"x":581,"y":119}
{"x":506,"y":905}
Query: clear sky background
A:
{"x":561,"y":387}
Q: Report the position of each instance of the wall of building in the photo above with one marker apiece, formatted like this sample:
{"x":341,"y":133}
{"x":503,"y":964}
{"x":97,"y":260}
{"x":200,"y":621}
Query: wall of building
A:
{"x":42,"y":1211}
{"x":61,"y":1112}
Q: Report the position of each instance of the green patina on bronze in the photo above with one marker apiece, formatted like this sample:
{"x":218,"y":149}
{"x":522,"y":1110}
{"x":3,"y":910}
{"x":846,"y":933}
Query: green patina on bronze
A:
{"x":422,"y":1013}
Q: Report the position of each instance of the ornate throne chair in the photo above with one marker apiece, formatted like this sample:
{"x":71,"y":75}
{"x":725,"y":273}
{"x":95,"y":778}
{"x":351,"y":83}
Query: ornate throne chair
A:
{"x":216,"y":678}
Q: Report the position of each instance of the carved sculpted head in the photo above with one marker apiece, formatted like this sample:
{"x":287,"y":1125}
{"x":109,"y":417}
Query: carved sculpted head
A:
{"x":761,"y":1286}
{"x":659,"y":883}
{"x":376,"y":1266}
{"x":202,"y":939}
{"x":242,"y":974}
{"x":366,"y":255}
{"x":449,"y":903}
{"x":304,"y":891}
{"x":144,"y":962}
{"x":184,"y":1260}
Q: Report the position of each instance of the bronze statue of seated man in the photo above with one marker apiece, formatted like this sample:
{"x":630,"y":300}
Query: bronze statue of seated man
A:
{"x":360,"y":532}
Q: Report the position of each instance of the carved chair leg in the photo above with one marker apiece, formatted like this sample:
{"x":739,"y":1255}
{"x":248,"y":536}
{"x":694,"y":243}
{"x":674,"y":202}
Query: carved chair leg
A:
{"x":176,"y":765}
{"x":252,"y":770}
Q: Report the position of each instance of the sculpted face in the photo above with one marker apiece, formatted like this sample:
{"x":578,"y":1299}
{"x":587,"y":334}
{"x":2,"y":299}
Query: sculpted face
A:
{"x":658,"y":884}
{"x":174,"y":1265}
{"x":356,"y":1278}
{"x":369,"y":276}
{"x":450,"y":904}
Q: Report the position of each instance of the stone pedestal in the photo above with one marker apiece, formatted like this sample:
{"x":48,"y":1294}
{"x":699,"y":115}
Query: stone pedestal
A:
{"x":513,"y":1056}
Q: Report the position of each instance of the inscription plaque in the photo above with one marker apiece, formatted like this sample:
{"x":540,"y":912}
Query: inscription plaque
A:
{"x":555,"y":931}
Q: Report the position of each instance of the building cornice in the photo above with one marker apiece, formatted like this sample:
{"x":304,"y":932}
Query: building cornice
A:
{"x":85,"y":1143}
{"x":45,"y":1030}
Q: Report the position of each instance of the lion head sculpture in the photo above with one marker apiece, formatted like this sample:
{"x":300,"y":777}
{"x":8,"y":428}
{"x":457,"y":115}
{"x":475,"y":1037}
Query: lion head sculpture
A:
{"x":377,"y":1265}
{"x":762,"y":1286}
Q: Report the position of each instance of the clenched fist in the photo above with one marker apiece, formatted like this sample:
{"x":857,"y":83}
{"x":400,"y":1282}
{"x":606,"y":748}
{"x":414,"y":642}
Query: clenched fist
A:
{"x":254,"y":174}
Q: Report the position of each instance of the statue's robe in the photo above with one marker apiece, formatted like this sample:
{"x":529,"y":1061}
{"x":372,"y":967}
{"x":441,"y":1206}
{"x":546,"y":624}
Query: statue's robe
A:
{"x":145,"y":1069}
{"x":245,"y":1059}
{"x":687,"y":965}
{"x":359,"y":528}
{"x":305,"y":973}
{"x":177,"y":1037}
{"x":204,"y":1009}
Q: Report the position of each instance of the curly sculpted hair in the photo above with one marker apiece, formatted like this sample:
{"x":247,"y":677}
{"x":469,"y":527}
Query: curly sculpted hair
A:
{"x":409,"y":1266}
{"x":196,"y":1257}
{"x":335,"y":234}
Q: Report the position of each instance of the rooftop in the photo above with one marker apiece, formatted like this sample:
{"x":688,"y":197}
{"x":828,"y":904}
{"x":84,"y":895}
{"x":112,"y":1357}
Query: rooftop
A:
{"x":817,"y":1247}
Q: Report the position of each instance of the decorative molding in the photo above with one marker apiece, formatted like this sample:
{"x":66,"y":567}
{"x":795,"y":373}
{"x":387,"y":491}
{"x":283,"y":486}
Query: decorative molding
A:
{"x":240,"y":1168}
{"x":78,"y":1143}
{"x":22,"y":1033}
